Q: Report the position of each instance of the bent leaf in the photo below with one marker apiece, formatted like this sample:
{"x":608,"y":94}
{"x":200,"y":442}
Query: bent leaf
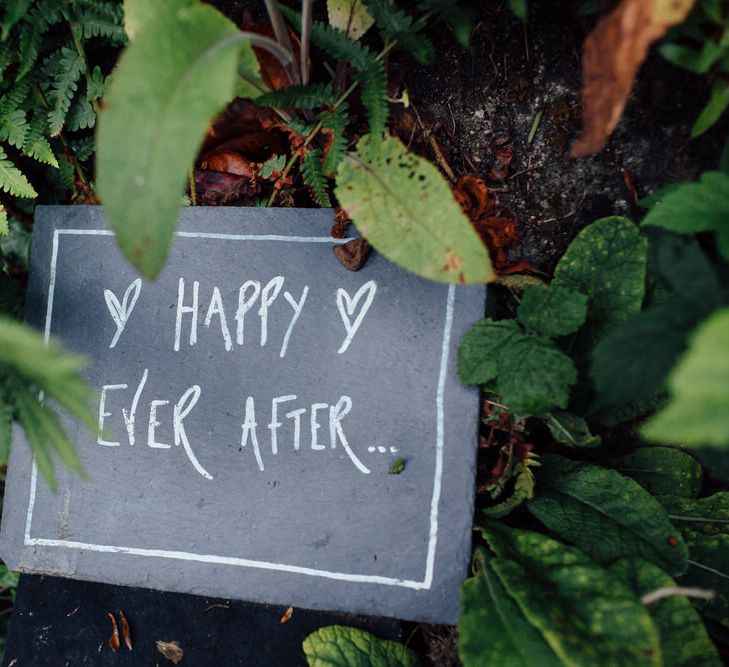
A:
{"x":340,"y":646}
{"x":170,"y":82}
{"x":404,"y":207}
{"x":698,"y":412}
{"x":605,"y":514}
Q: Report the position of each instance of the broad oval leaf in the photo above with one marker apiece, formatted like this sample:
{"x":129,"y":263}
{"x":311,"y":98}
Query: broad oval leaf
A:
{"x":662,"y":470}
{"x":684,"y":642}
{"x":340,"y":646}
{"x":607,"y":263}
{"x":605,"y":514}
{"x":552,"y":311}
{"x":170,"y":82}
{"x":492,"y":627}
{"x":586,"y":616}
{"x":404,"y":207}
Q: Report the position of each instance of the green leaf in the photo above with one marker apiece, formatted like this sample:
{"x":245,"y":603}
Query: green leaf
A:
{"x":633,"y":360}
{"x":715,"y":107}
{"x":170,"y":82}
{"x":662,"y":470}
{"x":65,"y":83}
{"x":491,"y":624}
{"x":519,"y":7}
{"x":571,"y":429}
{"x":552,"y":311}
{"x":335,"y":123}
{"x":698,"y":412}
{"x":532,"y":375}
{"x":523,"y":490}
{"x":708,"y":515}
{"x":4,"y":229}
{"x":696,"y":207}
{"x":605,"y":514}
{"x":405,"y":208}
{"x":607,"y":263}
{"x":141,"y":15}
{"x":311,"y":171}
{"x":275,"y":163}
{"x":586,"y":616}
{"x":81,"y":115}
{"x":398,"y":465}
{"x":299,"y":97}
{"x":12,"y":179}
{"x":8,"y":579}
{"x":349,"y":16}
{"x":684,"y":642}
{"x":340,"y":646}
{"x":373,"y":82}
{"x":698,"y":61}
{"x":14,"y":11}
{"x":395,"y":24}
{"x":36,"y":145}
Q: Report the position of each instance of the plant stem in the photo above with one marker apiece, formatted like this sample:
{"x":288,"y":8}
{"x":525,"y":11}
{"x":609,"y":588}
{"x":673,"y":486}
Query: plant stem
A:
{"x":306,"y":18}
{"x":280,"y":30}
{"x":193,"y":189}
{"x":82,"y":52}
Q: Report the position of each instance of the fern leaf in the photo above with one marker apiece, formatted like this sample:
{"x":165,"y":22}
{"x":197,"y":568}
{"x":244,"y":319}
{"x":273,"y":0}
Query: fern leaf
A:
{"x":397,"y":25}
{"x":36,"y":144}
{"x":81,"y":116}
{"x":12,"y":179}
{"x":65,"y":83}
{"x":83,"y":148}
{"x":97,"y":85}
{"x":335,"y":122}
{"x":374,"y":97}
{"x":66,"y":171}
{"x":311,"y":170}
{"x":103,"y":20}
{"x":301,"y":128}
{"x":4,"y":229}
{"x":14,"y":11}
{"x":299,"y":97}
{"x":14,"y":97}
{"x":45,"y":14}
{"x":335,"y":42}
{"x":14,"y":128}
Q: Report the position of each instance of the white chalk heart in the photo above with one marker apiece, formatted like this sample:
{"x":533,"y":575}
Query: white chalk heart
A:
{"x":347,"y":306}
{"x":120,"y":312}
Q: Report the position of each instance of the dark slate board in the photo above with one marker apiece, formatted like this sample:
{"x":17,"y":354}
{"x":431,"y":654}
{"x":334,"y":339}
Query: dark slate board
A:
{"x":322,"y":528}
{"x":58,"y":622}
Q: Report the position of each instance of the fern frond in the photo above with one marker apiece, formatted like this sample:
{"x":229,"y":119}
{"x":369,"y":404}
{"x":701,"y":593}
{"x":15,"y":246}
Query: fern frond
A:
{"x":14,"y":128}
{"x":14,"y":11}
{"x":97,"y":85}
{"x":374,"y":97}
{"x":311,"y":171}
{"x":299,"y":97}
{"x":334,"y":42}
{"x":14,"y":97}
{"x":65,"y":83}
{"x":102,"y":19}
{"x":301,"y":127}
{"x":65,"y":169}
{"x":12,"y":179}
{"x":36,"y":144}
{"x":45,"y":14}
{"x":397,"y":25}
{"x":335,"y":121}
{"x":4,"y":229}
{"x":458,"y":15}
{"x":83,"y":148}
{"x":81,"y":116}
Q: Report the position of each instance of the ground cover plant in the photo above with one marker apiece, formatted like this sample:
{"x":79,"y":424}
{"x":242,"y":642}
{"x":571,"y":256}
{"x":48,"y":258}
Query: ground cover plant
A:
{"x":601,"y":531}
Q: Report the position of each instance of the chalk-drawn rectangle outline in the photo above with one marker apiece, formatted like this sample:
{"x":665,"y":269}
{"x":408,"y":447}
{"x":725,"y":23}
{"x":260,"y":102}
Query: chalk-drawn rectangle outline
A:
{"x":427,"y":581}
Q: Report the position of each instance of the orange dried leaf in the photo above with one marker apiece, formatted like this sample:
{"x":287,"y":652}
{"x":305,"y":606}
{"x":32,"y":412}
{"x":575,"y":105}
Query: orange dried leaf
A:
{"x":170,"y":650}
{"x":613,"y":53}
{"x":126,"y":633}
{"x":286,"y":616}
{"x":114,"y":639}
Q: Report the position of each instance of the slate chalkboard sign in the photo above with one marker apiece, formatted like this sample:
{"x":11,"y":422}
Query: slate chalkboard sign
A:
{"x":251,"y":402}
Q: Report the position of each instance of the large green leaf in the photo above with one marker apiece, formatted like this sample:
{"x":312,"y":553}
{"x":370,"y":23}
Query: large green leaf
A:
{"x":172,"y":79}
{"x":607,"y":263}
{"x":605,"y":514}
{"x":684,"y":642}
{"x":532,"y":375}
{"x":340,"y":646}
{"x":696,"y":207}
{"x":586,"y":616}
{"x":493,"y":630}
{"x":405,"y":208}
{"x":552,"y":311}
{"x":709,"y":515}
{"x":698,"y":412}
{"x":662,"y":470}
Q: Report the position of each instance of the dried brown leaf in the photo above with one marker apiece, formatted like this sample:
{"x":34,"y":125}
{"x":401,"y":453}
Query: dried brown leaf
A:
{"x":170,"y":650}
{"x":114,"y":639}
{"x":353,"y":254}
{"x":613,"y":53}
{"x":230,"y":163}
{"x":126,"y":633}
{"x":286,"y":617}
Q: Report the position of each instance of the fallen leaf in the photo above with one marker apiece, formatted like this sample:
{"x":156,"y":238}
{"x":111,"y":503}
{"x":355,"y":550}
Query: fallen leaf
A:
{"x":126,"y":633}
{"x":341,"y":222}
{"x":286,"y":617}
{"x":231,"y":163}
{"x":114,"y":639}
{"x":398,"y":465}
{"x":170,"y":650}
{"x":613,"y":53}
{"x":353,"y":254}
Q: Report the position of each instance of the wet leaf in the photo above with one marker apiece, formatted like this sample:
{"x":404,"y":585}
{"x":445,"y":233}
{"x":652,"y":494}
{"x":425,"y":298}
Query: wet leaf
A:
{"x":684,"y":642}
{"x":492,"y":624}
{"x":339,"y":646}
{"x":613,"y":53}
{"x":170,"y":650}
{"x":114,"y":639}
{"x":662,"y":470}
{"x":406,"y":210}
{"x":605,"y":514}
{"x":584,"y":614}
